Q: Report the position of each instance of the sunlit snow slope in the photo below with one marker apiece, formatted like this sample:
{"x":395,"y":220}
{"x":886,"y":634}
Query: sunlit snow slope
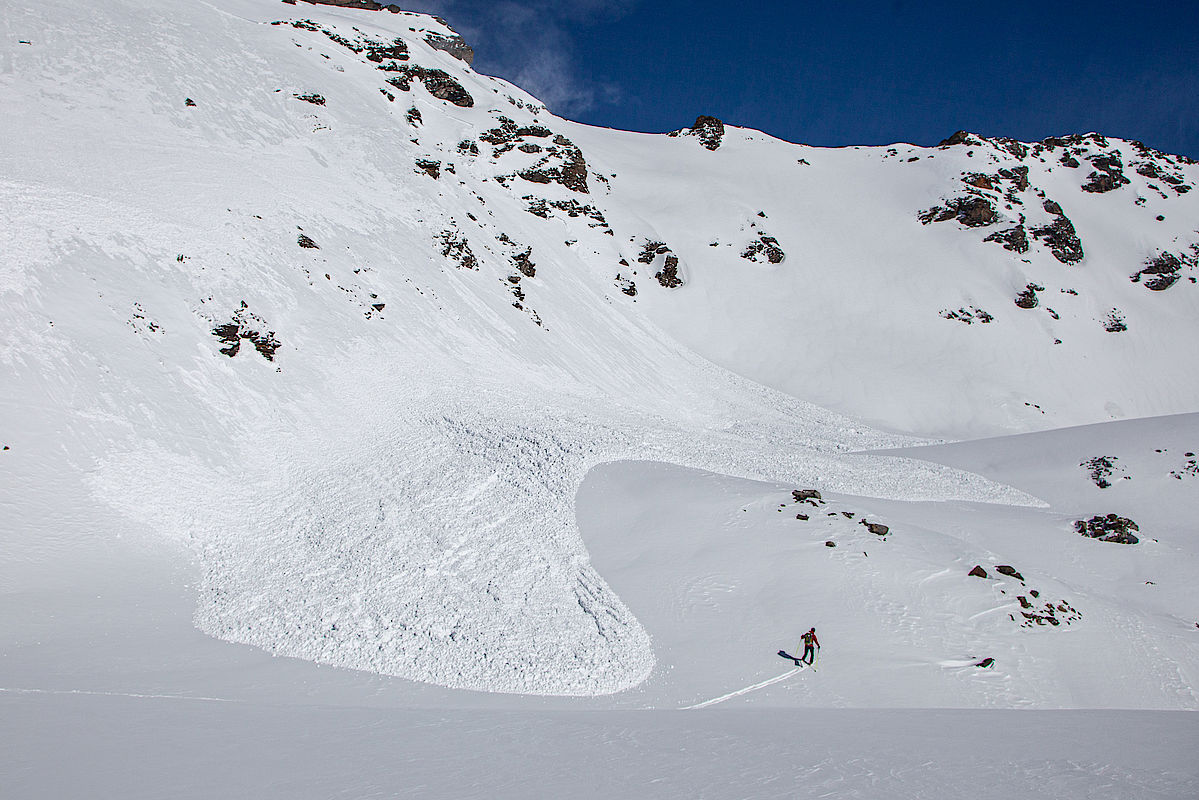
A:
{"x":295,"y":287}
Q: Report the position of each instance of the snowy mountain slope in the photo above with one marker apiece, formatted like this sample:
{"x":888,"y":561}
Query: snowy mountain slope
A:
{"x":298,"y":289}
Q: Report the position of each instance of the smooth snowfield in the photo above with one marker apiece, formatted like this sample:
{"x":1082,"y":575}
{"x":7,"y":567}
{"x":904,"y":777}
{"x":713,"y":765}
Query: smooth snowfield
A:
{"x":132,"y":749}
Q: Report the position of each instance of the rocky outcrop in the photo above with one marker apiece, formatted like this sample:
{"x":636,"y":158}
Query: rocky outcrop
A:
{"x":1014,"y":239}
{"x":454,"y":45}
{"x":973,"y":211}
{"x":1108,"y":174}
{"x":455,"y":247}
{"x":437,"y":82}
{"x":1099,"y":469}
{"x":1163,"y":271}
{"x":249,"y":326}
{"x":977,"y":572}
{"x":1110,"y":528}
{"x":1028,"y":297}
{"x":658,"y":253}
{"x":709,"y":131}
{"x":764,"y":248}
{"x":1060,"y":236}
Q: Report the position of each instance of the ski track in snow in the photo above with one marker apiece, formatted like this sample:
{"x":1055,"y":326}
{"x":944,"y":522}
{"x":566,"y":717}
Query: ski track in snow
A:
{"x":755,"y":687}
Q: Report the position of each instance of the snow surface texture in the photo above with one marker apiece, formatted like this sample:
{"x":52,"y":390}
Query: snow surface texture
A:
{"x":433,"y":346}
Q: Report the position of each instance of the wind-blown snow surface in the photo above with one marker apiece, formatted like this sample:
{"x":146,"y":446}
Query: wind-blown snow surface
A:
{"x":304,"y":347}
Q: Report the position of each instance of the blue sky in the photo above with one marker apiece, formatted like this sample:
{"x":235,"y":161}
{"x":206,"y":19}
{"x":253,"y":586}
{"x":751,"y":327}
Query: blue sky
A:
{"x":844,"y":73}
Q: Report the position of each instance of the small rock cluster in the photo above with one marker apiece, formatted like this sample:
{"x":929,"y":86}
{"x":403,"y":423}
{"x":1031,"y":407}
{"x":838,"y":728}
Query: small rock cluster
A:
{"x":1110,"y":528}
{"x":1033,"y":611}
{"x":249,"y":326}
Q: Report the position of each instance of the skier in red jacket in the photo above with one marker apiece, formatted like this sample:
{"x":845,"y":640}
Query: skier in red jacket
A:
{"x":810,"y":645}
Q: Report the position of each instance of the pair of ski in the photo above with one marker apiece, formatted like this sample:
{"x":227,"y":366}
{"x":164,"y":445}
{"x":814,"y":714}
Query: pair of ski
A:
{"x":798,"y":662}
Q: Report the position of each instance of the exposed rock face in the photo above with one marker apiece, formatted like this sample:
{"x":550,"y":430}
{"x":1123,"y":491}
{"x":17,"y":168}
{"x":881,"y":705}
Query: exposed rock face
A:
{"x":1010,"y":571}
{"x":978,"y":571}
{"x":430,"y":168}
{"x":654,"y":252}
{"x":303,"y":240}
{"x":454,"y":45}
{"x":437,"y":82}
{"x":1163,"y":271}
{"x":1028,"y":297}
{"x":456,"y":248}
{"x":972,"y":211}
{"x":1014,"y":239}
{"x":764,"y":248}
{"x":1060,"y":236}
{"x":1111,"y":528}
{"x":1114,"y":322}
{"x":709,"y":131}
{"x":1109,"y":173}
{"x":1100,"y":468}
{"x":249,"y":326}
{"x":801,"y":495}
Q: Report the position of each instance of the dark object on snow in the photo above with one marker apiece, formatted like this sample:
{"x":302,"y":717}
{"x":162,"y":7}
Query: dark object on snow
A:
{"x":187,"y":101}
{"x":310,"y":97}
{"x":1111,"y":528}
{"x":1028,"y":297}
{"x":709,"y":131}
{"x":1101,"y":468}
{"x":805,"y":494}
{"x":877,"y":528}
{"x":454,"y":45}
{"x":304,"y":241}
{"x":1164,"y":269}
{"x":978,"y":571}
{"x":1004,"y":569}
{"x":802,"y":517}
{"x":986,"y":663}
{"x":830,"y":544}
{"x":246,"y":325}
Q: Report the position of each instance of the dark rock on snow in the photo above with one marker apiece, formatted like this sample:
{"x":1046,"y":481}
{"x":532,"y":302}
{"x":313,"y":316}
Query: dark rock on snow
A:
{"x":1110,"y":528}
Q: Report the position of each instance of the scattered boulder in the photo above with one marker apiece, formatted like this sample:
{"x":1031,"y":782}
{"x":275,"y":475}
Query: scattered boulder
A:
{"x":430,"y":168}
{"x":1010,"y":571}
{"x":877,"y":528}
{"x":978,"y":571}
{"x":1028,"y":297}
{"x":986,"y":663}
{"x":826,"y":544}
{"x":1100,"y":468}
{"x":968,"y":315}
{"x":303,"y":240}
{"x":800,"y":495}
{"x":1110,"y":528}
{"x":310,"y":97}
